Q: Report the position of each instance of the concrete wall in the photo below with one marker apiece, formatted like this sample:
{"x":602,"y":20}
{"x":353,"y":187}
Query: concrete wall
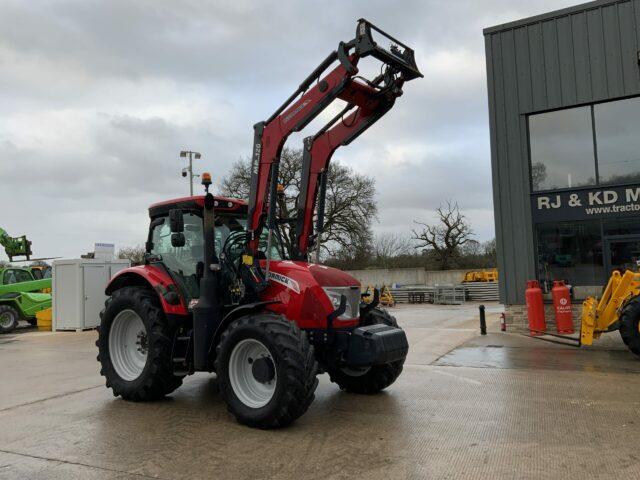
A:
{"x":407,"y":276}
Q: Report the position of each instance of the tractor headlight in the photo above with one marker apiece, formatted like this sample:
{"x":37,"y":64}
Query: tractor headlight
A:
{"x":352,"y":295}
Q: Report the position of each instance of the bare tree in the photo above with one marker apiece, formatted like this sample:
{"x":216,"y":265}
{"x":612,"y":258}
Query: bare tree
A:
{"x":133,"y":254}
{"x":471,"y":248}
{"x":446,"y":237}
{"x":389,"y":245}
{"x":491,"y":251}
{"x":349,"y":207}
{"x":39,"y":263}
{"x":538,"y":174}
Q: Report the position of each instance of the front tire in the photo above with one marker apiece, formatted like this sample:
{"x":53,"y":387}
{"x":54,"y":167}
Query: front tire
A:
{"x":630,"y":325}
{"x":370,"y":380}
{"x":9,"y":318}
{"x":266,"y":370}
{"x":134,"y":346}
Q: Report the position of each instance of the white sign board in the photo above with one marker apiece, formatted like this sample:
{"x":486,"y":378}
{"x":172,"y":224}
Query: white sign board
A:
{"x":104,"y":251}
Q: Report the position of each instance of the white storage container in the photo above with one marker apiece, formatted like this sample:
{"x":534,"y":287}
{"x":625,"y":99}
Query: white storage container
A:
{"x":78,"y":291}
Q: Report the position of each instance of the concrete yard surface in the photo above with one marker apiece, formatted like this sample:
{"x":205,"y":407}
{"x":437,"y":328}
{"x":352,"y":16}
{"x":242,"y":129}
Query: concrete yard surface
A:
{"x":502,"y":406}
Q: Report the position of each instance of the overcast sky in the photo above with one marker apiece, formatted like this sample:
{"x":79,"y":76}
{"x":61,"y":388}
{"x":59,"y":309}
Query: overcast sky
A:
{"x":98,"y":98}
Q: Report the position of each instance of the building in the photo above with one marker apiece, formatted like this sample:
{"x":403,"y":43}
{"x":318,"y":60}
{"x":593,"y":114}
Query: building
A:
{"x":564,"y":108}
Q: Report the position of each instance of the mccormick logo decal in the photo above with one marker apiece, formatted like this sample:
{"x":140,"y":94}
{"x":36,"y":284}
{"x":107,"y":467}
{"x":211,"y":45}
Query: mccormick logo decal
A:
{"x":297,"y":110}
{"x":286,"y":281}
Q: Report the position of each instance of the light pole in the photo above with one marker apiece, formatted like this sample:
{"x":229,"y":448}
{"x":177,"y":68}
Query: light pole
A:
{"x":189,"y":169}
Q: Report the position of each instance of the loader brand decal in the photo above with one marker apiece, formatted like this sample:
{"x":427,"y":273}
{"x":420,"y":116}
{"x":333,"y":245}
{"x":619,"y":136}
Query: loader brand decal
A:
{"x":284,"y":280}
{"x":587,"y":203}
{"x":296,"y":111}
{"x":257,"y":150}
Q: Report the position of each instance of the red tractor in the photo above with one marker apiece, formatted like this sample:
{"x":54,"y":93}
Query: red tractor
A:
{"x":216,"y":292}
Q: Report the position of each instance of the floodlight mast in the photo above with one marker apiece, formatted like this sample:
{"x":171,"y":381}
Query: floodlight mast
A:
{"x":191,"y":155}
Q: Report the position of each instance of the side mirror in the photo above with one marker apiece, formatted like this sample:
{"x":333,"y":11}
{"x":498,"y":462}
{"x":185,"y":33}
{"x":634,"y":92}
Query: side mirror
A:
{"x":177,"y":240}
{"x":176,"y":221}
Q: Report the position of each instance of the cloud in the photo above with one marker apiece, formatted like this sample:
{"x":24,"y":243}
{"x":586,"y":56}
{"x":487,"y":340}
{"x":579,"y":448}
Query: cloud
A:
{"x":97,"y":99}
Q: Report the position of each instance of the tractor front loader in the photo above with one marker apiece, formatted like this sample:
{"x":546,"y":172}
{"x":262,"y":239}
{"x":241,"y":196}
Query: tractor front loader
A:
{"x":618,"y":309}
{"x":15,"y":246}
{"x":217,"y":293}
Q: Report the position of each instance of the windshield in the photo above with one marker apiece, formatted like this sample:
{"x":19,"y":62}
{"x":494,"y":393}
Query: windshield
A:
{"x":183,"y":261}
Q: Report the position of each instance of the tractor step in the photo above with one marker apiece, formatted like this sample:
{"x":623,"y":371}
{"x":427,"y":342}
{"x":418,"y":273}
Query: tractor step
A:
{"x":182,"y":354}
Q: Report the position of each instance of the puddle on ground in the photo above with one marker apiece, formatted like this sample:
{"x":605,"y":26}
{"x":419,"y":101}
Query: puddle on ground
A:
{"x":536,"y":358}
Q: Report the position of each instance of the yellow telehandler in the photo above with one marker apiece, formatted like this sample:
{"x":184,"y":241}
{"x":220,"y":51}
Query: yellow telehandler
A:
{"x":481,"y":276}
{"x":618,"y":309}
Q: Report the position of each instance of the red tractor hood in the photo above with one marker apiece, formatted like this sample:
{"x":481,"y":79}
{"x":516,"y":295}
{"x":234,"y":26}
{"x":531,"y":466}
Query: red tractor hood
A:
{"x":298,"y":289}
{"x":332,"y":277}
{"x":322,"y":275}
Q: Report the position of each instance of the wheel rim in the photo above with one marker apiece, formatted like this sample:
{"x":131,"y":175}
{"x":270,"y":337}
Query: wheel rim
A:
{"x":249,"y":390}
{"x":6,"y":319}
{"x":128,"y":345}
{"x":355,"y":371}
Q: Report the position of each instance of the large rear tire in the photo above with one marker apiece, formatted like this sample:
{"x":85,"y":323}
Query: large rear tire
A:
{"x":266,"y":370}
{"x":9,"y":318}
{"x":630,"y":325}
{"x":134,"y":346}
{"x":370,"y":380}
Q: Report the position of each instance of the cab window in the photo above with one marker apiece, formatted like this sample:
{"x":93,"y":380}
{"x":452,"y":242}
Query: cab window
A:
{"x":182,"y":261}
{"x":16,"y":276}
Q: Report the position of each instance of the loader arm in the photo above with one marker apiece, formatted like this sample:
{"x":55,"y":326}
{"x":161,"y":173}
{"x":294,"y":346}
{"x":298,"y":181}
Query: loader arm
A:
{"x":15,"y":246}
{"x":319,"y":149}
{"x":602,"y":316}
{"x":294,"y":115}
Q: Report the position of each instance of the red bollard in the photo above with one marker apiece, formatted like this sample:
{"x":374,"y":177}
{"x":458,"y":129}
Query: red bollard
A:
{"x":562,"y":307}
{"x":503,"y":323}
{"x":535,"y":308}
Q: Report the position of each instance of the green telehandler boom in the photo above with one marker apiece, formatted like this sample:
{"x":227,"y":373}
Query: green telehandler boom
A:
{"x":15,"y":246}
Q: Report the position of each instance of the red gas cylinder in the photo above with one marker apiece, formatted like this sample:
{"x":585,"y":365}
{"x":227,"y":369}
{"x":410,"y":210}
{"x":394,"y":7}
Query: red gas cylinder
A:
{"x":535,"y":308}
{"x":562,"y":307}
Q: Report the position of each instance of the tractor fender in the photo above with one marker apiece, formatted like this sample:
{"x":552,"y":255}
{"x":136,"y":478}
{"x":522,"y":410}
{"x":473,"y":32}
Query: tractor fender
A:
{"x":13,"y":299}
{"x":231,"y":316}
{"x":154,"y":278}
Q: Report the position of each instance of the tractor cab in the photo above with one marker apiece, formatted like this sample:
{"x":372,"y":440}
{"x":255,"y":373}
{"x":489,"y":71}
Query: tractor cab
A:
{"x":176,"y":239}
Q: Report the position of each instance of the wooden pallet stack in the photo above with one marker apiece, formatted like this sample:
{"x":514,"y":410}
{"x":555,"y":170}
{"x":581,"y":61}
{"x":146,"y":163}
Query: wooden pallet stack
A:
{"x":482,"y":291}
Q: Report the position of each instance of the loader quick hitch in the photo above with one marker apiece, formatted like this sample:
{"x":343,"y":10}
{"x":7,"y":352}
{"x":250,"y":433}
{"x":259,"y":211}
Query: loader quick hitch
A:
{"x":398,"y":55}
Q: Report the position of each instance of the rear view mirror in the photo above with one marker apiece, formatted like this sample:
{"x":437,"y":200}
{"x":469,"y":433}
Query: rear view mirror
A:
{"x":176,"y":221}
{"x":177,"y":240}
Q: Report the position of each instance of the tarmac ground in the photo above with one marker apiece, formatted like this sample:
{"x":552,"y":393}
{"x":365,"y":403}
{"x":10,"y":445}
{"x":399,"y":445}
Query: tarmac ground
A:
{"x":466,"y":406}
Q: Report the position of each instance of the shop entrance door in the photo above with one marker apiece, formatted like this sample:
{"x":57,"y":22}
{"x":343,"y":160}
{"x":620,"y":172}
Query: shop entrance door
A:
{"x":622,"y":253}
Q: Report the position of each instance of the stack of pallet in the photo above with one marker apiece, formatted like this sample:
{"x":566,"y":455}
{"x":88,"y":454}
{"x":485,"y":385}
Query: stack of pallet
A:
{"x":449,"y":295}
{"x":416,"y":294}
{"x":482,"y":291}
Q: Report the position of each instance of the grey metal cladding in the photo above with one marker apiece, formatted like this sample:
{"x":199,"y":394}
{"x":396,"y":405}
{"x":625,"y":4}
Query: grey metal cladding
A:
{"x":577,"y":55}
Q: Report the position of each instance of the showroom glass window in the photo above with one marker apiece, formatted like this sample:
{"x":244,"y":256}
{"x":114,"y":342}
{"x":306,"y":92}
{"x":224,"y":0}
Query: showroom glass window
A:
{"x":570,"y":251}
{"x":617,"y":127}
{"x":562,"y":154}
